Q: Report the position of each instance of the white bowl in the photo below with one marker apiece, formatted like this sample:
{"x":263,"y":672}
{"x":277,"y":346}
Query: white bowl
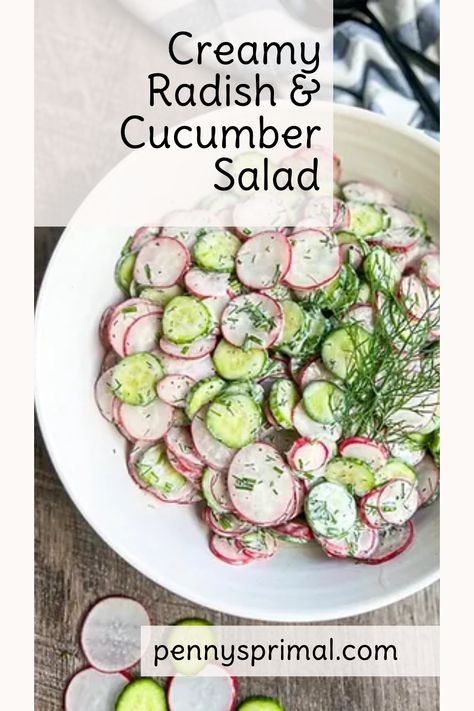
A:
{"x":169,"y":543}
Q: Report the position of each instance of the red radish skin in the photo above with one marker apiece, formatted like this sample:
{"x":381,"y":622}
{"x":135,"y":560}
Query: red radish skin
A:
{"x":236,"y":527}
{"x":226,"y":549}
{"x":308,"y":455}
{"x":122,"y":317}
{"x":429,"y":271}
{"x":179,"y":440}
{"x":174,"y":389}
{"x":385,"y":552}
{"x":296,"y":529}
{"x":240,"y":328}
{"x":93,"y":690}
{"x":369,"y":511}
{"x":142,"y":236}
{"x":190,"y":473}
{"x":315,"y":260}
{"x":145,"y":422}
{"x":191,"y":351}
{"x":187,"y":692}
{"x":263,"y":260}
{"x":161,"y":262}
{"x":104,"y":396}
{"x":397,"y":501}
{"x":104,"y":326}
{"x":142,"y":333}
{"x":373,"y":453}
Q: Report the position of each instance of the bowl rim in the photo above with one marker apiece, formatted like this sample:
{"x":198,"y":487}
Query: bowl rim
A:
{"x":262,"y":614}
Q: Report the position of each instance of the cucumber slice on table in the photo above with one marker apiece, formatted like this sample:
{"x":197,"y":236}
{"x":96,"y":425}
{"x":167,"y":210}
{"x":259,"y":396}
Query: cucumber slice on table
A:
{"x":330,"y":509}
{"x":202,"y":393}
{"x":233,"y":363}
{"x":234,"y":420}
{"x":366,"y":219}
{"x":342,"y":349}
{"x":356,"y":475}
{"x":282,"y":401}
{"x":185,"y":319}
{"x":135,"y":377}
{"x":216,"y":251}
{"x":323,"y":401}
{"x":260,"y":703}
{"x":142,"y":694}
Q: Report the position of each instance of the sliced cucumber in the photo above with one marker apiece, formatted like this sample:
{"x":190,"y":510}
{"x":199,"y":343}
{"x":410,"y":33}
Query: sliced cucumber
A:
{"x":293,"y":322}
{"x":201,"y":393}
{"x":160,"y":295}
{"x":135,"y":377}
{"x":216,"y":251}
{"x":366,"y":219}
{"x":154,"y":470}
{"x":434,"y":446}
{"x":124,"y":271}
{"x":234,"y":420}
{"x":330,"y":509}
{"x":395,"y":469}
{"x":364,"y":294}
{"x":356,"y":475}
{"x":282,"y":401}
{"x":233,"y":363}
{"x":246,"y":387}
{"x":343,"y":348}
{"x":381,"y":271}
{"x":323,"y":401}
{"x":260,"y":703}
{"x":142,"y":694}
{"x":185,"y":319}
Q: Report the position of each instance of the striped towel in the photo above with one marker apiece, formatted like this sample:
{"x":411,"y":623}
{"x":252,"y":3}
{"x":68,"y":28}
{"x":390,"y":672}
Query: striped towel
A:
{"x":364,"y":72}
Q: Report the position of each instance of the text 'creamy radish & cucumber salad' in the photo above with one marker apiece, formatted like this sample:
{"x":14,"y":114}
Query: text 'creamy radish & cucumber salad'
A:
{"x":287,"y":380}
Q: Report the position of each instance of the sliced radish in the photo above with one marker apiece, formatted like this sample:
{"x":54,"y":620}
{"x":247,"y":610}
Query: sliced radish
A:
{"x":427,"y":474}
{"x":398,"y":501}
{"x":214,"y":453}
{"x":414,"y":296}
{"x":220,"y":490}
{"x":416,"y":413}
{"x":314,"y":370}
{"x":227,"y":525}
{"x":216,"y":306}
{"x":365,"y":449}
{"x":263,"y":260}
{"x":196,"y":368}
{"x":204,"y":284}
{"x":295,"y":529}
{"x":174,"y":389}
{"x":104,"y":396}
{"x":143,"y":235}
{"x":369,"y":511}
{"x":92,"y":690}
{"x":258,"y":545}
{"x":109,"y":360}
{"x":226,"y":549}
{"x":110,"y":635}
{"x":189,"y":351}
{"x":367,"y":192}
{"x":360,"y":543}
{"x":180,"y":442}
{"x":252,"y":320}
{"x":306,"y":455}
{"x":185,"y":234}
{"x":429,"y":270}
{"x":362,"y":314}
{"x":211,"y":689}
{"x":190,"y":473}
{"x":145,"y":422}
{"x":142,"y":334}
{"x":268,"y":211}
{"x":260,"y":484}
{"x":161,"y":262}
{"x":315,"y":259}
{"x":311,"y":429}
{"x":325,"y":211}
{"x":409,"y":454}
{"x":104,"y":326}
{"x":393,"y":541}
{"x":122,"y":317}
{"x":134,"y":455}
{"x":401,"y":234}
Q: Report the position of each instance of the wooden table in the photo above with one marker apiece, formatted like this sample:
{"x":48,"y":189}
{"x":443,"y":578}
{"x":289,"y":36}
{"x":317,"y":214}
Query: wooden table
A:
{"x":74,"y":567}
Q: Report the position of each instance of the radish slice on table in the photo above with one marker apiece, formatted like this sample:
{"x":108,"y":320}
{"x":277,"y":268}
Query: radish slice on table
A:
{"x":122,"y":317}
{"x":145,"y":422}
{"x":365,"y":449}
{"x":315,"y":259}
{"x":142,"y":236}
{"x":174,"y":389}
{"x":185,"y":234}
{"x":427,"y":474}
{"x":252,"y":320}
{"x":142,"y":334}
{"x":308,"y":455}
{"x":398,"y":501}
{"x":211,"y":689}
{"x":367,"y":192}
{"x":226,"y":549}
{"x":369,"y":511}
{"x":393,"y":541}
{"x":203,"y":284}
{"x":260,"y":484}
{"x":429,"y":270}
{"x":161,"y":262}
{"x":189,"y":351}
{"x":263,"y":260}
{"x":309,"y":428}
{"x":414,"y":296}
{"x":93,"y":690}
{"x":214,"y":453}
{"x":110,"y":635}
{"x":180,"y":442}
{"x":104,"y":396}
